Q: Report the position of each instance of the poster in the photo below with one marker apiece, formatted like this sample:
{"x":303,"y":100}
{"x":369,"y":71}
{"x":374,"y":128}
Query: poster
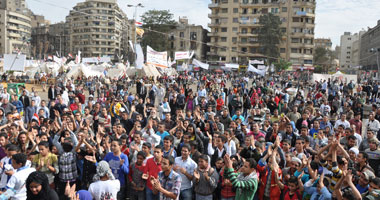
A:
{"x":158,"y":59}
{"x":14,"y":62}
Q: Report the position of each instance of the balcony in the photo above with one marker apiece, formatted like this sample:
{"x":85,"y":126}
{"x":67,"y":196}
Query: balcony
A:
{"x":304,"y":14}
{"x":213,"y":5}
{"x":212,"y":15}
{"x":213,"y":24}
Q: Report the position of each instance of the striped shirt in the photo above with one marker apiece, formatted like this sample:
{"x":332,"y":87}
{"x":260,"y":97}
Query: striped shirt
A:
{"x":246,"y":188}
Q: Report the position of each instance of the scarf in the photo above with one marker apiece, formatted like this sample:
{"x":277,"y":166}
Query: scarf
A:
{"x":268,"y":184}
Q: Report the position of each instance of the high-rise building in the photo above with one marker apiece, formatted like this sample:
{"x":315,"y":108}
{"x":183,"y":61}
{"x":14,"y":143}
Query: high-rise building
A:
{"x":350,"y":49}
{"x":15,"y":29}
{"x":235,"y":24}
{"x":370,"y":49}
{"x":188,"y":37}
{"x":96,"y":28}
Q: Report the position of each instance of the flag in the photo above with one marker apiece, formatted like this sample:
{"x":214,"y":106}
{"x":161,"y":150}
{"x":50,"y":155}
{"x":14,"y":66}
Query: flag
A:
{"x":35,"y":117}
{"x":77,"y":58}
{"x":138,"y":24}
{"x":139,"y":62}
{"x":50,"y":57}
{"x":70,"y":55}
{"x":140,"y":31}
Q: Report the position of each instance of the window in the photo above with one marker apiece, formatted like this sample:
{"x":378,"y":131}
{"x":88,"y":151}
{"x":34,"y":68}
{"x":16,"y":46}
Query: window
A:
{"x":223,"y":39}
{"x":233,"y":49}
{"x":236,"y":1}
{"x":243,"y":40}
{"x":245,"y":11}
{"x":284,"y":9}
{"x":282,"y":50}
{"x":224,"y":1}
{"x":308,"y":61}
{"x":294,"y":50}
{"x":244,"y":31}
{"x":245,"y":1}
{"x":348,"y":57}
{"x":223,"y":29}
{"x":236,"y":10}
{"x":274,"y":10}
{"x":181,"y":34}
{"x":264,"y":10}
{"x":254,"y":11}
{"x":244,"y":49}
{"x":234,"y":29}
{"x":235,"y":20}
{"x":296,"y":19}
{"x":283,"y":30}
{"x":234,"y":39}
{"x":252,"y":50}
{"x":349,"y":38}
{"x":224,"y":10}
{"x":295,"y":40}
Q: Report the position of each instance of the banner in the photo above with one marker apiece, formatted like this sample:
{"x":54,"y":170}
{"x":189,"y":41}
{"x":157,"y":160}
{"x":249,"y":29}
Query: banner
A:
{"x":232,"y":66}
{"x":158,"y":59}
{"x":261,"y":67}
{"x":14,"y":62}
{"x":256,"y":62}
{"x":257,"y":71}
{"x":104,"y":59}
{"x":183,"y":55}
{"x":140,"y":57}
{"x":200,"y":64}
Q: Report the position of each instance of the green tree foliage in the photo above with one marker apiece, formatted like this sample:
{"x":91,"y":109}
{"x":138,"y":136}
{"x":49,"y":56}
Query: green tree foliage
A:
{"x":270,"y":35}
{"x":155,"y":21}
{"x":282,"y":64}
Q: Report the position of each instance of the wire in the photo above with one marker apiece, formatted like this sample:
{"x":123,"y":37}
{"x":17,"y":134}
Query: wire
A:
{"x":168,"y":34}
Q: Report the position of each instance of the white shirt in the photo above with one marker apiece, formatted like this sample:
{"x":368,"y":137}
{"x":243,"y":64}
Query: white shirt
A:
{"x":8,"y":167}
{"x":374,"y":125}
{"x":230,"y":149}
{"x":104,"y":189}
{"x":339,"y":122}
{"x":17,"y":182}
{"x":211,"y":150}
{"x":151,"y":137}
{"x":190,"y":166}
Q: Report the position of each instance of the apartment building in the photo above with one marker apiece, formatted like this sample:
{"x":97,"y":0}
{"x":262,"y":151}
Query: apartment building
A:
{"x":15,"y":27}
{"x":96,"y":28}
{"x":370,"y":49}
{"x":235,"y":24}
{"x":350,"y":49}
{"x":188,"y":37}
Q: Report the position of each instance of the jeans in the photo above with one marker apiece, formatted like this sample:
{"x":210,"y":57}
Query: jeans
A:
{"x":121,"y":195}
{"x":200,"y":197}
{"x":137,"y":195}
{"x":150,"y":195}
{"x":186,"y":194}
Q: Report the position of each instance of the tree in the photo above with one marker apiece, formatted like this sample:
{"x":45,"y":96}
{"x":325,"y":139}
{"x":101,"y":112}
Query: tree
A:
{"x":282,"y":64}
{"x":270,"y":35}
{"x":155,"y":23}
{"x":324,"y":58}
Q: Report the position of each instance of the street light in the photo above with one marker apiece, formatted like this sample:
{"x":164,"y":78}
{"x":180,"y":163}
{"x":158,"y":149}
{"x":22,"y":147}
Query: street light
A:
{"x":134,"y":20}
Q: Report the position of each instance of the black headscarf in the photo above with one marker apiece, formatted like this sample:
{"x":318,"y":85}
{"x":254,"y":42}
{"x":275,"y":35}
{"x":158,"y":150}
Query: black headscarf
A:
{"x":40,"y":178}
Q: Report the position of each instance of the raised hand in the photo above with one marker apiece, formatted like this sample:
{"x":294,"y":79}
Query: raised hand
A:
{"x":196,"y":175}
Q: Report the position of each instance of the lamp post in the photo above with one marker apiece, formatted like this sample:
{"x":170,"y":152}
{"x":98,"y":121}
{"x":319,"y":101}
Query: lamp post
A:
{"x":134,"y":17}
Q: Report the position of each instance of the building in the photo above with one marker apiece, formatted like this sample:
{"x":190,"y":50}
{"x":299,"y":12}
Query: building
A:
{"x":350,"y":49}
{"x":370,"y":48}
{"x":38,"y":20}
{"x":96,"y":27}
{"x":188,"y":37}
{"x":15,"y":29}
{"x":323,"y":42}
{"x":235,"y":24}
{"x":50,"y":39}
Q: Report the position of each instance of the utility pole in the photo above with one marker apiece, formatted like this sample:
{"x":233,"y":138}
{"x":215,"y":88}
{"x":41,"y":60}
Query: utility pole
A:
{"x":134,"y":19}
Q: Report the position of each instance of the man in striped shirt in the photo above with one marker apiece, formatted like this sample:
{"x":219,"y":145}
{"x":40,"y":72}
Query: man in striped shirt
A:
{"x":244,"y":182}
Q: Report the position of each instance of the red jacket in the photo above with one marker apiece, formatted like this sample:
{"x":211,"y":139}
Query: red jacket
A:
{"x":275,"y":192}
{"x":152,"y":168}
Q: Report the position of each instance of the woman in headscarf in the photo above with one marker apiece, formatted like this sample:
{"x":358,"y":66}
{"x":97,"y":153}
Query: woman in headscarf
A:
{"x":37,"y":187}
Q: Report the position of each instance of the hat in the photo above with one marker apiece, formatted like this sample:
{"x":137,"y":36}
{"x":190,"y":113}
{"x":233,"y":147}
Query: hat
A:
{"x":295,"y":159}
{"x":354,"y":150}
{"x":368,"y":175}
{"x":91,"y":96}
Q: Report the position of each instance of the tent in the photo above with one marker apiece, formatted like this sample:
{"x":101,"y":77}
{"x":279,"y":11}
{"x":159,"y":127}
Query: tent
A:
{"x":339,"y":76}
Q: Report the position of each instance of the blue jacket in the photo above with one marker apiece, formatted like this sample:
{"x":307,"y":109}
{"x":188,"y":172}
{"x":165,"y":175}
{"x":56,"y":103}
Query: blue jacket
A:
{"x":120,"y":172}
{"x":19,"y":105}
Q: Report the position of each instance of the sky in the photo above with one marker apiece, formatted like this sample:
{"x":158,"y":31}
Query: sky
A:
{"x":333,"y":17}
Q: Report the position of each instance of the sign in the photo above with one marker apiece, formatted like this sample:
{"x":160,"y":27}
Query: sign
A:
{"x":14,"y":62}
{"x":256,"y":62}
{"x":158,"y":59}
{"x":183,"y":55}
{"x":96,"y":60}
{"x":232,"y":66}
{"x":139,"y":62}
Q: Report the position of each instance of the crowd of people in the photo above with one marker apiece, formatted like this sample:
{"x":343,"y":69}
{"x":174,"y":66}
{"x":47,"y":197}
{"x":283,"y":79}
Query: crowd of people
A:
{"x":191,"y":136}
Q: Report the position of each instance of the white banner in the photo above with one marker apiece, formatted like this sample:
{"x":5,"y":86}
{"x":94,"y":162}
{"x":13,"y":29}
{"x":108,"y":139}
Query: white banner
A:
{"x":14,"y":62}
{"x":139,"y":62}
{"x":200,"y":64}
{"x":232,"y":66}
{"x":158,"y":59}
{"x":183,"y":55}
{"x":257,"y":71}
{"x":97,"y":60}
{"x":256,"y":62}
{"x":261,"y":67}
